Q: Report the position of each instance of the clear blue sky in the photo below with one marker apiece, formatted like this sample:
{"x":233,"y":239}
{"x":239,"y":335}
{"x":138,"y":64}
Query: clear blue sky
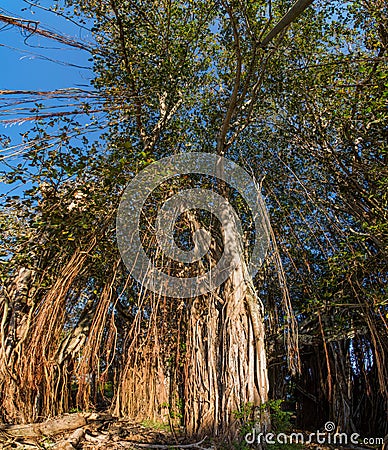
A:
{"x":22,"y":68}
{"x":24,"y":71}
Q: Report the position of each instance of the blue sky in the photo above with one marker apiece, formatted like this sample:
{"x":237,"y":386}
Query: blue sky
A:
{"x":20,"y":70}
{"x":22,"y":65}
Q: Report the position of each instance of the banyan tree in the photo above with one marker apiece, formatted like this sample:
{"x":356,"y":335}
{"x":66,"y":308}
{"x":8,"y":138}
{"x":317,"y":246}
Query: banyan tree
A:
{"x":295,"y":95}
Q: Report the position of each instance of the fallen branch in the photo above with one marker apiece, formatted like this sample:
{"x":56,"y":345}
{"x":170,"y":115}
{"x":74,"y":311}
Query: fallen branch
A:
{"x":72,"y":441}
{"x":49,"y":428}
{"x":97,"y":439}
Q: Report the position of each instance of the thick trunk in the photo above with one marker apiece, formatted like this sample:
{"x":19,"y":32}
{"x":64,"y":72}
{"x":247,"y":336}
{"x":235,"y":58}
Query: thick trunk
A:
{"x":226,"y":370}
{"x":226,"y":375}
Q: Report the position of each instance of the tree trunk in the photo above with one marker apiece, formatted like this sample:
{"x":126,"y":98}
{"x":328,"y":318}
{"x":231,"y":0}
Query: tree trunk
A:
{"x":226,"y":378}
{"x":226,"y":372}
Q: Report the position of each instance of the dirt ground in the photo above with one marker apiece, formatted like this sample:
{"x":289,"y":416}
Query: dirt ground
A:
{"x":94,"y":431}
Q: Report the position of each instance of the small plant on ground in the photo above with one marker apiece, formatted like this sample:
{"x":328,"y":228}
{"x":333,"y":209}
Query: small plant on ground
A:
{"x":280,"y":420}
{"x":160,"y":426}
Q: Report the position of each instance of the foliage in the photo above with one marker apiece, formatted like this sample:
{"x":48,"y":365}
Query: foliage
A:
{"x":280,"y":419}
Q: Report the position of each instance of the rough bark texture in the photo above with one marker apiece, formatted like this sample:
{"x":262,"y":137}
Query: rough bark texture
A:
{"x":226,"y":369}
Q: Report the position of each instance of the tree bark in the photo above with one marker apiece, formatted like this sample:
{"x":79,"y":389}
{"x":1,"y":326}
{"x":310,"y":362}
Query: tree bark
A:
{"x":226,"y":373}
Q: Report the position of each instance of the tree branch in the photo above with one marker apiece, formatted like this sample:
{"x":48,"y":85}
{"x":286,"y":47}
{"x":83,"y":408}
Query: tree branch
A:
{"x":32,"y":27}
